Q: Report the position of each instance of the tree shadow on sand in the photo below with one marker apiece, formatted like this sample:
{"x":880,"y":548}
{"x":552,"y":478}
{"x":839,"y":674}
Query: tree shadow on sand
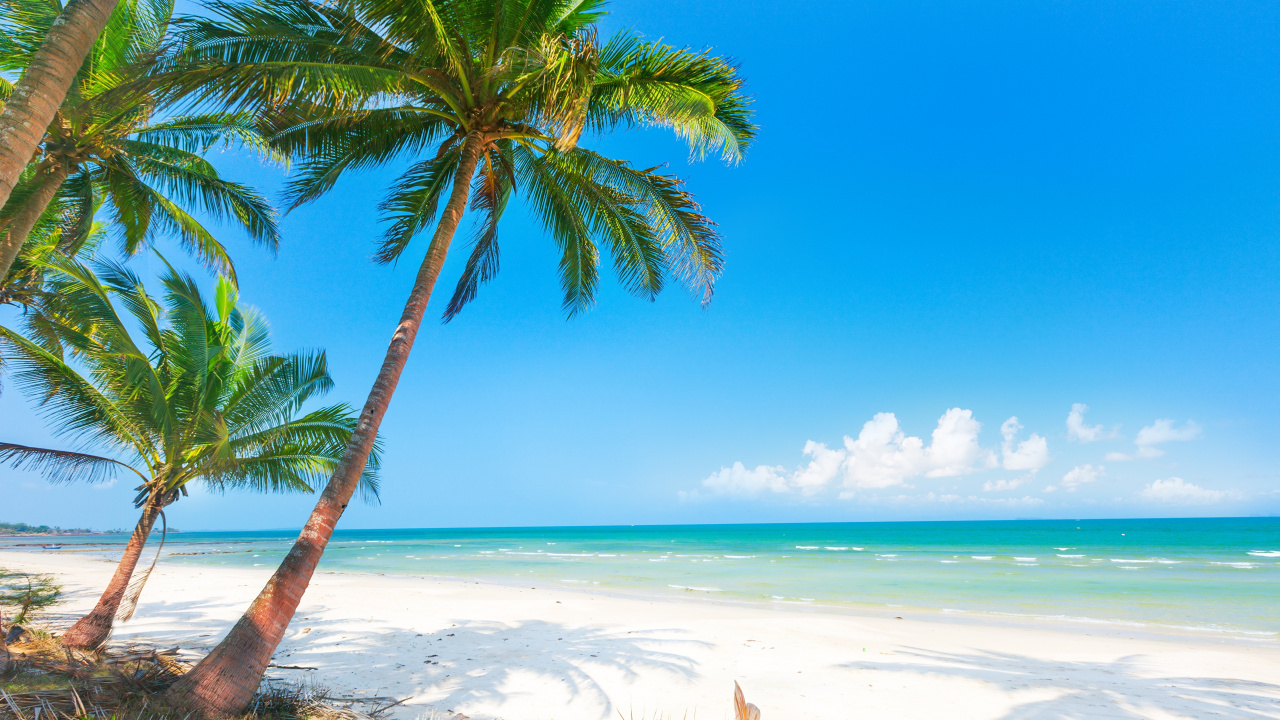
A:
{"x":477,"y":663}
{"x":1119,"y":689}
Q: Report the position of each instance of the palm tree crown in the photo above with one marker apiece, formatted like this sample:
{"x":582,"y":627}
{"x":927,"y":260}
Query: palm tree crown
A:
{"x":201,"y":397}
{"x":511,"y":83}
{"x":109,"y":145}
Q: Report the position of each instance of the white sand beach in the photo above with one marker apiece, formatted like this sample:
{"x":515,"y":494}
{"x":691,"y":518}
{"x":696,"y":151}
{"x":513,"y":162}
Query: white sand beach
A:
{"x":491,"y":651}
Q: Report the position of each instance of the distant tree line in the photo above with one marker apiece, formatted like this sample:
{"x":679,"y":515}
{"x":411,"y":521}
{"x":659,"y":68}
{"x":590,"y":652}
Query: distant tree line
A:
{"x":25,"y":529}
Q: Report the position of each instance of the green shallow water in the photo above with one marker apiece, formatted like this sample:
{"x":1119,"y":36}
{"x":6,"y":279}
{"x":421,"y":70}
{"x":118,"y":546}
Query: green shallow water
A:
{"x":1213,"y":575}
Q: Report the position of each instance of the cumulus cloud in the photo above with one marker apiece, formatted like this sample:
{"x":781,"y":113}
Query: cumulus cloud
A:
{"x":1031,"y":454}
{"x":883,"y":456}
{"x":739,"y":481}
{"x":821,"y":470}
{"x":1175,"y":490}
{"x":1158,"y":433}
{"x":1078,"y":431}
{"x":1080,"y":475}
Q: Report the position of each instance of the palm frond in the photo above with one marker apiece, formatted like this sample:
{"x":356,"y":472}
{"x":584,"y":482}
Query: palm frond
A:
{"x":61,"y":466}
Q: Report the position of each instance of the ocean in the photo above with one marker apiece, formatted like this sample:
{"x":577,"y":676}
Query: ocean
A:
{"x":1218,"y":576}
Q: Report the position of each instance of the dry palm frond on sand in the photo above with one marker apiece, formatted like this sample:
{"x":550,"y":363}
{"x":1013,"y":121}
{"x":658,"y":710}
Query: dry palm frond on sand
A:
{"x":743,"y":710}
{"x":46,"y":681}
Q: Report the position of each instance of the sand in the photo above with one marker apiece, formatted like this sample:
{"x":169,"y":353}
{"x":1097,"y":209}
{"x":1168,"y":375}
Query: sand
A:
{"x":494,"y":651}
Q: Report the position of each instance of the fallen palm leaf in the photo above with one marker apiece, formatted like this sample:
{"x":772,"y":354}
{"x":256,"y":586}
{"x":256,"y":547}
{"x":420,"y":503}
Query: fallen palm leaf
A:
{"x":743,"y":710}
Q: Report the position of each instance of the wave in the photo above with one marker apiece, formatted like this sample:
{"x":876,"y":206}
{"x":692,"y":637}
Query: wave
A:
{"x":695,"y":589}
{"x":1241,"y":565}
{"x":1265,"y":553}
{"x":1069,"y":556}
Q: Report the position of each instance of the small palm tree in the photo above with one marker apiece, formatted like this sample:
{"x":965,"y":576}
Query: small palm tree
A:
{"x":105,"y":147}
{"x":200,"y":397}
{"x":490,"y":98}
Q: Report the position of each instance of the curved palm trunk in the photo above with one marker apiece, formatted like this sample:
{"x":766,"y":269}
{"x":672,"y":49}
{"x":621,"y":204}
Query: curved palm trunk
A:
{"x":225,"y":680}
{"x":91,"y":631}
{"x":4,"y":650}
{"x":44,"y":85}
{"x":15,"y":233}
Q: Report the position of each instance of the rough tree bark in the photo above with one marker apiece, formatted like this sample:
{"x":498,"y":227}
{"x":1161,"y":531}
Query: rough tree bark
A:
{"x":15,"y":233}
{"x":91,"y":631}
{"x":224,"y":681}
{"x":44,"y":84}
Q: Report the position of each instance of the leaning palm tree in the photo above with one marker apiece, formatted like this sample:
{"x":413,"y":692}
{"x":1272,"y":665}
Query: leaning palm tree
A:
{"x":490,"y":98}
{"x":200,"y":398}
{"x":30,"y":106}
{"x":108,"y":146}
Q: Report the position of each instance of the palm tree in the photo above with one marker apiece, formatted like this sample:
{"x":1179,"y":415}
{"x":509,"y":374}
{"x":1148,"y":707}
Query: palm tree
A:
{"x":201,"y":397}
{"x":105,"y":147}
{"x":491,"y":97}
{"x":30,"y":106}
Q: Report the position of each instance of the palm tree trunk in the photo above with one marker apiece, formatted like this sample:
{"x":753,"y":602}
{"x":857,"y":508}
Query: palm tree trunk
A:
{"x":44,"y":85}
{"x":4,"y":649}
{"x":19,"y":227}
{"x":91,"y":631}
{"x":225,"y":680}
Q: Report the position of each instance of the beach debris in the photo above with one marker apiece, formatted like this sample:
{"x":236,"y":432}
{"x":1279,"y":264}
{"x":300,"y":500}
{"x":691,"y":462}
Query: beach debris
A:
{"x":743,"y":710}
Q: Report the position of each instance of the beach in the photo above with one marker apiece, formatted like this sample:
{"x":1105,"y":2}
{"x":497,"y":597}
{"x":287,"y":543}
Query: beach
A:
{"x":495,"y":650}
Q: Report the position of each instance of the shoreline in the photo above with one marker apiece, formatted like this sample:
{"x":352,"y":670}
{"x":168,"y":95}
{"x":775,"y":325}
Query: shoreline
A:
{"x":1056,"y":621}
{"x":447,"y":645}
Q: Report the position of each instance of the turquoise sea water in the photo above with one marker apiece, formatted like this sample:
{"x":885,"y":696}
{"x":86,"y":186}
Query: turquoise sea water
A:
{"x":1207,"y":575}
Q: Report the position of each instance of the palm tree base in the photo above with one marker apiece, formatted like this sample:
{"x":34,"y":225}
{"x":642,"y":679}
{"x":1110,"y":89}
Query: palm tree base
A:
{"x":89,"y":633}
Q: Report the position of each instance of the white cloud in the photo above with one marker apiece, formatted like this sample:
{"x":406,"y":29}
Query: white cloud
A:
{"x":1178,"y":491}
{"x":1081,"y":475}
{"x":822,"y":469}
{"x":1004,"y":484}
{"x":953,"y":499}
{"x":883,"y":456}
{"x":1157,"y":433}
{"x":106,"y":485}
{"x":740,"y":481}
{"x":1078,"y":431}
{"x":1030,"y":454}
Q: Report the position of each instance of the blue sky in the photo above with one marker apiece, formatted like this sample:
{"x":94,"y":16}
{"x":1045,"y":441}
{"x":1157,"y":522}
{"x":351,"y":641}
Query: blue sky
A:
{"x":957,"y":213}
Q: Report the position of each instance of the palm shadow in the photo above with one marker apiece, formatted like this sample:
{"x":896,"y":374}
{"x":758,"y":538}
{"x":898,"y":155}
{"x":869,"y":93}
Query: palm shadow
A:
{"x":475,"y":664}
{"x":1117,"y":689}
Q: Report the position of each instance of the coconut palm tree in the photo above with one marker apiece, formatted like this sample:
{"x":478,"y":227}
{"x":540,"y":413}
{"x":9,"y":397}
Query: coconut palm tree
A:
{"x":488,"y":99}
{"x":106,"y":146}
{"x":199,"y":397}
{"x":30,"y":106}
{"x":64,"y":218}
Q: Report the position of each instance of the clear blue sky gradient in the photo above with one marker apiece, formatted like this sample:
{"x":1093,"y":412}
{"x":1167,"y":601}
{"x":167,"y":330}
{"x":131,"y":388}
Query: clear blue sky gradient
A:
{"x":1005,"y":207}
